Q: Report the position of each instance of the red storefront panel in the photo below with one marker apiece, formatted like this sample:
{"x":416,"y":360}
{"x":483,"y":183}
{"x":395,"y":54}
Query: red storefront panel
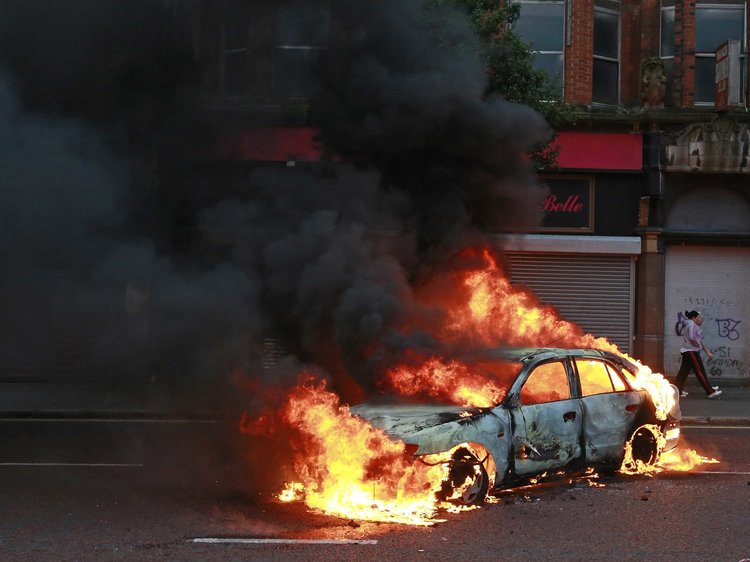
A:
{"x":600,"y":151}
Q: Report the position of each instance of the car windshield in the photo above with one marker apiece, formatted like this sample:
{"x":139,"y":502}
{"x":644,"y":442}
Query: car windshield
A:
{"x":486,"y":381}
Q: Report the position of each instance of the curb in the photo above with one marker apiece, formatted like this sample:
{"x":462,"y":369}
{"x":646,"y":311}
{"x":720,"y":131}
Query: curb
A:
{"x":715,"y":420}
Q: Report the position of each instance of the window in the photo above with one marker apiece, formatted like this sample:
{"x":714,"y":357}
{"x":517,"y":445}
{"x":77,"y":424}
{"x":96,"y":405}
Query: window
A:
{"x":268,"y":51}
{"x":547,"y":382}
{"x":666,"y":49}
{"x":542,"y":25}
{"x":606,"y":73}
{"x":617,"y":379}
{"x":302,"y":34}
{"x":594,"y":377}
{"x":234,"y":49}
{"x":714,"y":24}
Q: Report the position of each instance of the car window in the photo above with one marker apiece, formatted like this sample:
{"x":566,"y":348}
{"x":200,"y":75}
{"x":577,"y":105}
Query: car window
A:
{"x":594,"y":377}
{"x":546,"y":383}
{"x":617,"y":380}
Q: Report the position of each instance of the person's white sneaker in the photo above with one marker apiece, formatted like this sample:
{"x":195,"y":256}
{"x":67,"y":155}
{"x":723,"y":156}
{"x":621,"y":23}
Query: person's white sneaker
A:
{"x":715,"y":387}
{"x":683,"y":394}
{"x":715,"y":393}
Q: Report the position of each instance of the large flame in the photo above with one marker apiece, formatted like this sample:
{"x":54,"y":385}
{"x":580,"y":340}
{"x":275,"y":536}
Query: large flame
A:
{"x":682,"y":459}
{"x":483,"y":307}
{"x":452,"y":381}
{"x":348,"y":468}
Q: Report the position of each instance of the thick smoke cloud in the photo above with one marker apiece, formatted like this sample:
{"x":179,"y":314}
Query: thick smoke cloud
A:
{"x":83,"y":295}
{"x":320,"y":260}
{"x":403,"y":88}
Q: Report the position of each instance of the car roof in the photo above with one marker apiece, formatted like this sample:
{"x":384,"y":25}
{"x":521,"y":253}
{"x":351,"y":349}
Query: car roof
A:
{"x":525,"y":354}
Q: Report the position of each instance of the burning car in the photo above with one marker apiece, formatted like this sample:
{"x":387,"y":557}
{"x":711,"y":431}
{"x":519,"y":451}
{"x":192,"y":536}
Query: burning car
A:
{"x":562,"y":409}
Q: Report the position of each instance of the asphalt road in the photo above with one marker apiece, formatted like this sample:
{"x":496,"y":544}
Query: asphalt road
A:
{"x":145,"y":490}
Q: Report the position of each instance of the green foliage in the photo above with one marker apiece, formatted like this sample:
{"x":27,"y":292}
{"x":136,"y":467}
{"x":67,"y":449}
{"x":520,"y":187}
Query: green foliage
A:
{"x":510,"y":68}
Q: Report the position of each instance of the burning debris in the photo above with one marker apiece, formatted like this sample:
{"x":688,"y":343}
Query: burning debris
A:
{"x":350,"y":469}
{"x":354,"y":469}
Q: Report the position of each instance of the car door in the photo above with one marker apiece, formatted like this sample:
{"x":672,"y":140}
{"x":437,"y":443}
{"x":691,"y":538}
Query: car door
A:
{"x":610,"y":408}
{"x":547,"y":420}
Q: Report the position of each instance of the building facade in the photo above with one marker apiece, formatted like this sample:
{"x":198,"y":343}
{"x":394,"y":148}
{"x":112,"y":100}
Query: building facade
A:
{"x":655,"y":70}
{"x":649,"y":213}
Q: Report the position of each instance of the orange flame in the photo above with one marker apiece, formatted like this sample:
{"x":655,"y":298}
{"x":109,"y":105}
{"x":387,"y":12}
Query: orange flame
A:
{"x":483,"y":305}
{"x":450,"y":380}
{"x":683,"y":460}
{"x":350,"y":469}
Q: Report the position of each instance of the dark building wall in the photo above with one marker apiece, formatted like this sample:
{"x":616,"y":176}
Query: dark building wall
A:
{"x":616,"y":197}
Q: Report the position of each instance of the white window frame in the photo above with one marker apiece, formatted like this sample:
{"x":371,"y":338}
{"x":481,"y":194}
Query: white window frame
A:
{"x":743,"y":44}
{"x":617,"y":13}
{"x":662,"y":56}
{"x":561,"y":52}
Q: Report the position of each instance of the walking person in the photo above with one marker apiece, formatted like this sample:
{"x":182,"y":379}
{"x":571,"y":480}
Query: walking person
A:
{"x":692,"y":344}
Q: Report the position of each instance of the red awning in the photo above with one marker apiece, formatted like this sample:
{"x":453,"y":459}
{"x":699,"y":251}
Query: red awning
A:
{"x":600,"y":151}
{"x":578,"y":150}
{"x":270,"y":144}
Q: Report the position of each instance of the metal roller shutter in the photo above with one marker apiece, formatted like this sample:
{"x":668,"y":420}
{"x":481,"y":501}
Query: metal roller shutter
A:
{"x":594,"y":291}
{"x":713,"y":280}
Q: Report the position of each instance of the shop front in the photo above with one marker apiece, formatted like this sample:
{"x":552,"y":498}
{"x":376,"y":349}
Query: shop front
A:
{"x":706,"y":239}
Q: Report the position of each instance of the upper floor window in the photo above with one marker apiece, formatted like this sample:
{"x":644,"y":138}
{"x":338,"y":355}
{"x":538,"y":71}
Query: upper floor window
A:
{"x":542,"y":25}
{"x":714,"y":24}
{"x":268,"y":50}
{"x":605,"y":88}
{"x":234,"y":49}
{"x":303,"y":33}
{"x":666,"y":46}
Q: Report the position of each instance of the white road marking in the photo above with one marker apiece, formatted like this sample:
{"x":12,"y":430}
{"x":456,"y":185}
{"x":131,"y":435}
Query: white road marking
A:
{"x":105,"y":420}
{"x":715,"y":427}
{"x":281,"y":541}
{"x":88,"y":464}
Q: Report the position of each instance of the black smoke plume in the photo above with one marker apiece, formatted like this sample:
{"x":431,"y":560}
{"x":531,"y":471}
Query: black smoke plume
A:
{"x":98,"y":139}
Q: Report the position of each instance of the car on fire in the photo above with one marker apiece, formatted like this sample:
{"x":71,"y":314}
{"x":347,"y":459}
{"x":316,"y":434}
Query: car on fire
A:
{"x":565,"y":409}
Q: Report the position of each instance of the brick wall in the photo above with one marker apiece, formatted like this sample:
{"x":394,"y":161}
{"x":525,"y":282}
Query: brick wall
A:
{"x":630,"y":53}
{"x":649,"y":28}
{"x":684,"y":55}
{"x":579,"y":57}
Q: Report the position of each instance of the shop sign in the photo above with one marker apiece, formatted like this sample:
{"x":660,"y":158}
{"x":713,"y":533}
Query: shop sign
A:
{"x":569,"y":205}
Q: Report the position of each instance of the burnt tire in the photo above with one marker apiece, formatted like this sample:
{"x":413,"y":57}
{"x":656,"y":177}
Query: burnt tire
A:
{"x":645,"y":447}
{"x":467,"y":482}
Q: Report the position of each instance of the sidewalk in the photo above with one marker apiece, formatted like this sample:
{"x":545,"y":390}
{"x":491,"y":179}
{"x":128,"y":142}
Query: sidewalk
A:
{"x":731,"y":408}
{"x":107,"y":399}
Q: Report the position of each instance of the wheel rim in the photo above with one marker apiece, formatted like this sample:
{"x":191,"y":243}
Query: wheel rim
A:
{"x":644,"y":447}
{"x":477,"y":490}
{"x":467,"y":481}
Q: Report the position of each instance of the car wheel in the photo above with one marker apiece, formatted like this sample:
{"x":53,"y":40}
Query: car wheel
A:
{"x":644,"y":446}
{"x":467,"y":482}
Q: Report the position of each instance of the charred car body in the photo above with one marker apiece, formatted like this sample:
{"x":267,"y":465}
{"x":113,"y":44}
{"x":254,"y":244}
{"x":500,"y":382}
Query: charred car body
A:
{"x":565,"y":409}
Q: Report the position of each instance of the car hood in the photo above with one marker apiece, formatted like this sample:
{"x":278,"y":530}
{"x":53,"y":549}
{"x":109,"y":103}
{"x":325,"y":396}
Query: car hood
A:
{"x":403,"y":420}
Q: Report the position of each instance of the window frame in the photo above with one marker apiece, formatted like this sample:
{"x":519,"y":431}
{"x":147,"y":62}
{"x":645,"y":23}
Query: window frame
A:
{"x":281,"y":47}
{"x":566,"y":369}
{"x":225,"y":52}
{"x":729,"y":6}
{"x":603,"y":364}
{"x":618,"y":13}
{"x":667,"y":6}
{"x":561,"y":52}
